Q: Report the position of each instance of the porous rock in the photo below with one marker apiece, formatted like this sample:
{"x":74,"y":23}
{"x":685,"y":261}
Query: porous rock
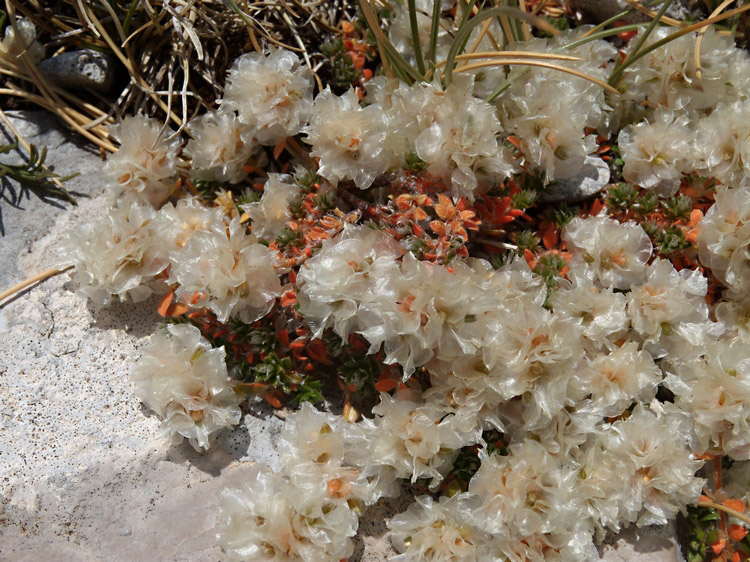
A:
{"x":80,"y":70}
{"x":590,"y":180}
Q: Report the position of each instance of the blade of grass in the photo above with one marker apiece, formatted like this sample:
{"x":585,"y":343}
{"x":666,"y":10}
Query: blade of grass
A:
{"x":640,"y":41}
{"x":506,"y":54}
{"x":542,"y":64}
{"x":676,"y":35}
{"x":464,"y":32}
{"x":699,"y":41}
{"x":384,"y":42}
{"x":512,"y":77}
{"x":434,"y":30}
{"x":31,"y":280}
{"x":412,"y":7}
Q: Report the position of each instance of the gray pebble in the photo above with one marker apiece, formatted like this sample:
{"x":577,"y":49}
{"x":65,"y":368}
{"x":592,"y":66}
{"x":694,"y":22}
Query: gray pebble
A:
{"x":592,"y":178}
{"x":600,"y":10}
{"x":80,"y":70}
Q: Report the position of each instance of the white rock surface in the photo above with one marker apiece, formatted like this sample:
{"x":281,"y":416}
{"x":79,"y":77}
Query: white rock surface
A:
{"x":83,"y":475}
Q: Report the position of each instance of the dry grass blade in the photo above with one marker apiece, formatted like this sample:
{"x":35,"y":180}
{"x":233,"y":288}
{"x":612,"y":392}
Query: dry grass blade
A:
{"x":652,"y":14}
{"x":504,"y":62}
{"x":39,"y":277}
{"x":684,"y":31}
{"x":699,"y":41}
{"x":506,"y":55}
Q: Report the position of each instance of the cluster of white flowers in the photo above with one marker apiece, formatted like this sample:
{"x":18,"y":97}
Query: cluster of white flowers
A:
{"x":550,"y":112}
{"x":211,"y":262}
{"x":271,"y":92}
{"x":227,"y":271}
{"x":569,"y":377}
{"x":120,"y":256}
{"x":270,"y":519}
{"x":184,"y":380}
{"x":270,"y":215}
{"x":13,"y":44}
{"x":221,"y":146}
{"x":723,"y":240}
{"x":693,"y":123}
{"x":145,"y":167}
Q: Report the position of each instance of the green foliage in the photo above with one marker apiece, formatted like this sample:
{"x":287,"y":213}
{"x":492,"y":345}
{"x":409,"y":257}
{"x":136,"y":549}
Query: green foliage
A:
{"x":671,"y":239}
{"x":678,"y":208}
{"x":702,"y":532}
{"x":621,"y":196}
{"x":413,"y":162}
{"x":646,"y":204}
{"x":362,"y":372}
{"x":325,"y":202}
{"x":548,"y":267}
{"x":34,"y":174}
{"x":562,"y":216}
{"x":527,"y":241}
{"x":525,"y":199}
{"x":289,"y":238}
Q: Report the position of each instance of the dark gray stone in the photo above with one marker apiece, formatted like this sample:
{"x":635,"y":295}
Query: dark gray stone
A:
{"x":600,"y":10}
{"x":592,"y":178}
{"x":80,"y":70}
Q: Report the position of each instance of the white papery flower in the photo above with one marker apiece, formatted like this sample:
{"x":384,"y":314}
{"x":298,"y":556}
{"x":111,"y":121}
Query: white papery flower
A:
{"x":461,"y":384}
{"x":614,"y":381}
{"x":272,"y":93}
{"x":669,"y":311}
{"x":315,"y":448}
{"x":666,"y":77}
{"x":657,"y":152}
{"x":270,"y":215}
{"x":350,"y":267}
{"x":349,"y":140}
{"x":548,"y":111}
{"x":227,"y":271}
{"x":220,"y":147}
{"x":574,"y":546}
{"x":529,"y":351}
{"x":734,"y":316}
{"x":145,"y":166}
{"x":525,"y":493}
{"x":455,"y":133}
{"x":655,"y":472}
{"x":459,"y":138}
{"x":13,"y":44}
{"x":120,"y":256}
{"x":611,"y":253}
{"x":724,"y":148}
{"x":600,"y":313}
{"x":437,"y":532}
{"x":724,"y":237}
{"x":431,"y":313}
{"x":269,"y":519}
{"x":410,"y":440}
{"x":184,"y":380}
{"x":177,"y":224}
{"x":714,"y":392}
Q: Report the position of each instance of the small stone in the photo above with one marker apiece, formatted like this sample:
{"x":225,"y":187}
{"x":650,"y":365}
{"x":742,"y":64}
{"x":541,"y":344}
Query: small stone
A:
{"x":80,"y":70}
{"x":600,"y":10}
{"x":592,"y":178}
